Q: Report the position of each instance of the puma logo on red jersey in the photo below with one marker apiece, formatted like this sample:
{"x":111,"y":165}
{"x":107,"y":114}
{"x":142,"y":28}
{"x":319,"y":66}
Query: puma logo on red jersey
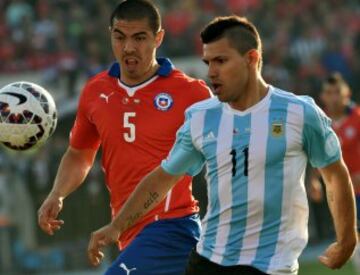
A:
{"x":106,"y":97}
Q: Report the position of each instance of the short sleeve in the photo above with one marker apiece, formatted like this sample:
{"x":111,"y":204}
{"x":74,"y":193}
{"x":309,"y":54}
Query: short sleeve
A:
{"x":183,"y":158}
{"x":320,"y":141}
{"x":84,"y":134}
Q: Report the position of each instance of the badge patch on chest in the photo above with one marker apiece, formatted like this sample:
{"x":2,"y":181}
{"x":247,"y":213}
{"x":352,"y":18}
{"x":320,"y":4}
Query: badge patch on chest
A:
{"x":163,"y":102}
{"x":277,"y":129}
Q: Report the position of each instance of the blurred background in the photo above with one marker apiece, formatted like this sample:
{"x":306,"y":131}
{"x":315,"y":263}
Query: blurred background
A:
{"x":59,"y":44}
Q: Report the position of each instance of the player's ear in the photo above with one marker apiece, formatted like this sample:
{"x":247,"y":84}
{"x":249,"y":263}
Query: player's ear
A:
{"x":159,"y":37}
{"x":253,"y":58}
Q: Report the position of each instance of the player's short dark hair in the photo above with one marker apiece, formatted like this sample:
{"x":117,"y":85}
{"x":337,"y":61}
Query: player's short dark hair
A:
{"x":241,"y":33}
{"x":137,"y":10}
{"x":337,"y":79}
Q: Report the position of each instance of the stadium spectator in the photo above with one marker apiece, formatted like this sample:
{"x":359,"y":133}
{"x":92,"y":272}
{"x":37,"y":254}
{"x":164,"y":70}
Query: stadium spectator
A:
{"x":311,"y":27}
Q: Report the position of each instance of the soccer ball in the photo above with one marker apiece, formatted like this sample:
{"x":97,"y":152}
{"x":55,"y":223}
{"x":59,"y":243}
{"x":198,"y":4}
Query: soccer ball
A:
{"x":28,"y":116}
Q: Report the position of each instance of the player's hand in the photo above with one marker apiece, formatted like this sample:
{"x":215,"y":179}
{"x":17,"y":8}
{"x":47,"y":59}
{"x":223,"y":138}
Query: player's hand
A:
{"x":100,"y":238}
{"x":336,"y":255}
{"x":48,"y":213}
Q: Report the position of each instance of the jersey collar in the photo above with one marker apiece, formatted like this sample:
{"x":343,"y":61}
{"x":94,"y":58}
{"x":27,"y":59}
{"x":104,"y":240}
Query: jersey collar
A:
{"x":165,"y":68}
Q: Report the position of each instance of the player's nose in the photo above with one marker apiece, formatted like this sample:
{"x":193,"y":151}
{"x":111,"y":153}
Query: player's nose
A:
{"x":212,"y":71}
{"x":129,"y":47}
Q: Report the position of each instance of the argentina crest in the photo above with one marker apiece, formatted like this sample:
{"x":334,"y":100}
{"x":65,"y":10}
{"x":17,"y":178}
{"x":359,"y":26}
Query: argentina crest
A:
{"x":163,"y":101}
{"x":277,"y":129}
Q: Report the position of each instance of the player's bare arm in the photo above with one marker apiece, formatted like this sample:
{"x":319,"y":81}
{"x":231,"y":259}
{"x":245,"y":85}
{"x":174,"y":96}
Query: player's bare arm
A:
{"x":355,"y":178}
{"x":74,"y":167}
{"x":150,"y":192}
{"x":315,"y":189}
{"x":341,"y":202}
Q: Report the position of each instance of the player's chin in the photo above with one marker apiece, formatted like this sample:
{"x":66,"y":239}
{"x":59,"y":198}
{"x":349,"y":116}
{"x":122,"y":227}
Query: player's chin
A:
{"x":221,"y":97}
{"x":133,"y":72}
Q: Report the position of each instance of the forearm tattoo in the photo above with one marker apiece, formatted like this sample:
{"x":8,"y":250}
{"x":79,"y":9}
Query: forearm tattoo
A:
{"x":132,"y":219}
{"x":152,"y":198}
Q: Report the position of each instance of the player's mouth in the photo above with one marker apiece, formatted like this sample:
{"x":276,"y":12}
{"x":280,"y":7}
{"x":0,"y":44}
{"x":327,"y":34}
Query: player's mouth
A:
{"x":131,"y":63}
{"x":217,"y":88}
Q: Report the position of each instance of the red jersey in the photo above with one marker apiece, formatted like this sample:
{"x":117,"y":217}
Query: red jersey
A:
{"x":136,"y":128}
{"x":348,"y":131}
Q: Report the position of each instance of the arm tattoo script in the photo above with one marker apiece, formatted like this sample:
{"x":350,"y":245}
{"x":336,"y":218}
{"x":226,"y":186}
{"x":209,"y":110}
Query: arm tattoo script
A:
{"x":152,"y":198}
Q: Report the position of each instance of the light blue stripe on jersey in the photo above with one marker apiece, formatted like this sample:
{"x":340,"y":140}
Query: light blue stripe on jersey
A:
{"x":211,"y":127}
{"x":239,"y":186}
{"x":274,"y":175}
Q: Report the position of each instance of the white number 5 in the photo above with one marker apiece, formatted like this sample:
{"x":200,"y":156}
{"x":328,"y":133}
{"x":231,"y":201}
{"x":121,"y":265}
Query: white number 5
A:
{"x":130,"y":136}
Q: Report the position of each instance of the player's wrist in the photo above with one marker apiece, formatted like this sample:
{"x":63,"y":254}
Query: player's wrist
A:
{"x":116,"y":226}
{"x":349,"y":241}
{"x":54,"y":194}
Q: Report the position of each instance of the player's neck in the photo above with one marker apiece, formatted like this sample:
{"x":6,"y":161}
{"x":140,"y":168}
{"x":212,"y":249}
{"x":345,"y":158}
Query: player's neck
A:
{"x":254,"y":93}
{"x":134,"y":81}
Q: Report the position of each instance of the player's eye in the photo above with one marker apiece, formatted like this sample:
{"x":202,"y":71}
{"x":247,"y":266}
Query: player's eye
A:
{"x":119,"y":37}
{"x":221,"y":60}
{"x":140,"y":38}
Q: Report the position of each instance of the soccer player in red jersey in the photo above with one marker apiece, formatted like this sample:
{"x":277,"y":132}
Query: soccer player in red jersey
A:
{"x":345,"y":115}
{"x":133,"y":111}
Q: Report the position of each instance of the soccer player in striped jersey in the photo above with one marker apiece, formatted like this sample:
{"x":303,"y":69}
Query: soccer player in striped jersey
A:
{"x":255,"y":141}
{"x":133,"y":111}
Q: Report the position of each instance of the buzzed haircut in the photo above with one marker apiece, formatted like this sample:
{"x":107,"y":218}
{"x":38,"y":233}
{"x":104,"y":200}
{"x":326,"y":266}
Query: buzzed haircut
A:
{"x":240,"y":32}
{"x":137,"y":10}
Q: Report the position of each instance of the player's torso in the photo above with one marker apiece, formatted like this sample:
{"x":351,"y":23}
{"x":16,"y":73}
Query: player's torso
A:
{"x":256,"y":164}
{"x":137,"y":127}
{"x":240,"y":147}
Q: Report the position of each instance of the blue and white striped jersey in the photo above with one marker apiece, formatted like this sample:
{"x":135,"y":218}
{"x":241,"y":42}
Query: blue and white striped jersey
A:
{"x":258,"y":212}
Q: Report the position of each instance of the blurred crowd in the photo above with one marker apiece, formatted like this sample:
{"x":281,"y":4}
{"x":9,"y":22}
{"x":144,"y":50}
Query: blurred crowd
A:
{"x":303,"y":40}
{"x":68,"y":41}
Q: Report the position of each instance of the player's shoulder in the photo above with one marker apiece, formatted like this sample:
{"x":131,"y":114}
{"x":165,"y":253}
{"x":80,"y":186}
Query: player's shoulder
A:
{"x":305,"y":101}
{"x":179,"y":77}
{"x":96,"y":79}
{"x":99,"y":82}
{"x":311,"y":114}
{"x":99,"y":76}
{"x":189,"y":88}
{"x":204,"y":106}
{"x":290,"y":97}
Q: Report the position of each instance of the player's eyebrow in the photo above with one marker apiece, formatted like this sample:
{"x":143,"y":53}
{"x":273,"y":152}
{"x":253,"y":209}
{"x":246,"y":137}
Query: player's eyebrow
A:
{"x":205,"y":61}
{"x":135,"y":34}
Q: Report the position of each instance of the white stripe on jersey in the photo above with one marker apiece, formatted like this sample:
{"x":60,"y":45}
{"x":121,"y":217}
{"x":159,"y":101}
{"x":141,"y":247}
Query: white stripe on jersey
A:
{"x":257,"y":158}
{"x":294,"y":204}
{"x":197,"y":129}
{"x":167,"y":202}
{"x":224,"y":178}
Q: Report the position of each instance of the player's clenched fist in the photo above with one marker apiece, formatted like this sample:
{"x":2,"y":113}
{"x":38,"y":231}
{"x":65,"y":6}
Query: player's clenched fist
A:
{"x":336,"y":255}
{"x":48,"y":212}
